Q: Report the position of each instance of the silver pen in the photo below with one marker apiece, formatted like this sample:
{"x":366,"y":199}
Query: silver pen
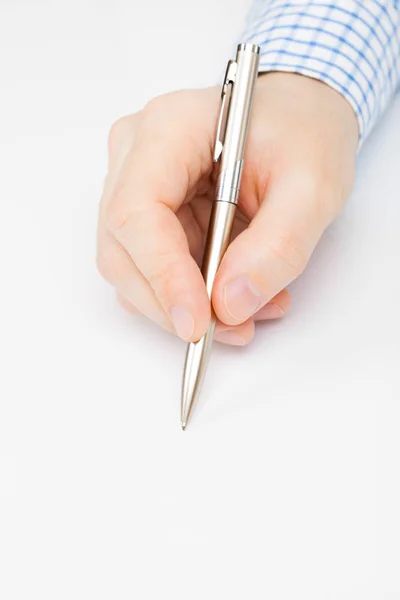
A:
{"x":236,"y":103}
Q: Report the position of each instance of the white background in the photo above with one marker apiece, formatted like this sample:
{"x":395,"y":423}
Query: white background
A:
{"x":286,"y":483}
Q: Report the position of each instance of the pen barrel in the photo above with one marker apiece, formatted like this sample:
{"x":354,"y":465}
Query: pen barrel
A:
{"x":218,"y":238}
{"x":243,"y":73}
{"x":228,"y":183}
{"x":197,"y":355}
{"x":237,"y":125}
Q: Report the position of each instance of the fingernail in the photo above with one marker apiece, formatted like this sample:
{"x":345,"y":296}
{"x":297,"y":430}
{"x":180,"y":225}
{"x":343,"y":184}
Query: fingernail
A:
{"x":183,"y":322}
{"x":269,"y":311}
{"x":230,"y":337}
{"x":241,"y":298}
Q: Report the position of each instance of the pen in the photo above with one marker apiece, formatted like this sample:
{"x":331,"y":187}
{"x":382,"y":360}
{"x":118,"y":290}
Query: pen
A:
{"x":236,"y":102}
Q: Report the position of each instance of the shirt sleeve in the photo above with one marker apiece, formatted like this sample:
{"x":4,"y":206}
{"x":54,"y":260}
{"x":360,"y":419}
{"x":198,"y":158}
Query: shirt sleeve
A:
{"x":351,"y":45}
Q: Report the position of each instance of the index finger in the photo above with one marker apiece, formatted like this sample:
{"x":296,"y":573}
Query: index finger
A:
{"x":170,"y":155}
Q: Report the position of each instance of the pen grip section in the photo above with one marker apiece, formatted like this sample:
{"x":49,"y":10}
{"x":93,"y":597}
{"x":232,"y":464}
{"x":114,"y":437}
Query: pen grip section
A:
{"x":218,"y":238}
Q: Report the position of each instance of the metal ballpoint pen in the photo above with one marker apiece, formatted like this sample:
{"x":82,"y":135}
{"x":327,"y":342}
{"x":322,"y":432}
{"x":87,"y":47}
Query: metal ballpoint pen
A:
{"x":236,"y":103}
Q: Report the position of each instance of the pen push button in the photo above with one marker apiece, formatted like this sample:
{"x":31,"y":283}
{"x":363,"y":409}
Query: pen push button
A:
{"x":229,"y":80}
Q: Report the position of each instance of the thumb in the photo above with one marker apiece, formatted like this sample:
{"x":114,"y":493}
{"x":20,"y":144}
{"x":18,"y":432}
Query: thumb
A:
{"x":275,"y":248}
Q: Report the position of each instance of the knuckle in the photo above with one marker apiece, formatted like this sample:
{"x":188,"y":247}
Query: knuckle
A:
{"x":161,"y":276}
{"x":118,"y":210}
{"x":120,"y":131}
{"x":162,"y":101}
{"x":153,"y":110}
{"x":289,"y":251}
{"x":155,"y":103}
{"x":164,"y":107}
{"x":108,"y":262}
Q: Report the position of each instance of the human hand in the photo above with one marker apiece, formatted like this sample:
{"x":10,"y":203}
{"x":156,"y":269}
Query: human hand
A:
{"x":153,"y":218}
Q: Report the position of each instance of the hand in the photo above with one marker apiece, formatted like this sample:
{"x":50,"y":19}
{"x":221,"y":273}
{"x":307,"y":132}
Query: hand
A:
{"x":298,"y":172}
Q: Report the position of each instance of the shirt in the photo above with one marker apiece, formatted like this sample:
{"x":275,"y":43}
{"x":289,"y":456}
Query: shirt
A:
{"x":351,"y":45}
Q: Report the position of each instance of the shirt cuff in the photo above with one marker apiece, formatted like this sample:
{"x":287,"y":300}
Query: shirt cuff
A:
{"x":351,"y":45}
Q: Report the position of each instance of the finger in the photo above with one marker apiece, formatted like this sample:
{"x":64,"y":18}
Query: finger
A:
{"x":134,"y":293}
{"x":162,"y":169}
{"x":126,"y":305}
{"x":275,"y":309}
{"x":116,"y":266}
{"x":239,"y":335}
{"x":120,"y":140}
{"x":113,"y":261}
{"x":194,"y":218}
{"x":275,"y":249}
{"x":163,"y":258}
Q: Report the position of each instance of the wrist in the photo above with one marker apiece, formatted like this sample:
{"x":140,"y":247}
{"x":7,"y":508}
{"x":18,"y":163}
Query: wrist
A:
{"x":313,"y":99}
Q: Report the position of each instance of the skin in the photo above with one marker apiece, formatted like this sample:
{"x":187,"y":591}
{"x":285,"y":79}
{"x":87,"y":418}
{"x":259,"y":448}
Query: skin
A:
{"x":298,"y":172}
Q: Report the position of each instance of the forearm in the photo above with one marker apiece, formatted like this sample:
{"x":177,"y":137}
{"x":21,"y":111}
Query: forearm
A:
{"x":352,"y":46}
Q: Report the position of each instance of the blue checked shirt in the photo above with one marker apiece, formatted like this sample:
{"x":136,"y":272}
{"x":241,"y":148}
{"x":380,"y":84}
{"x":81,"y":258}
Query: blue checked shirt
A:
{"x":352,"y":45}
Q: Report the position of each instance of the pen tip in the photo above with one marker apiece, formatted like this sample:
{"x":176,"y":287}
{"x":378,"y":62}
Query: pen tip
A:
{"x":183,"y":425}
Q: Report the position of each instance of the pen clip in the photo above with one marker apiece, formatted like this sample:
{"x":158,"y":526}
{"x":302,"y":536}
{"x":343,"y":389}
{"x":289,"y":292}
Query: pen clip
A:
{"x":229,"y":80}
